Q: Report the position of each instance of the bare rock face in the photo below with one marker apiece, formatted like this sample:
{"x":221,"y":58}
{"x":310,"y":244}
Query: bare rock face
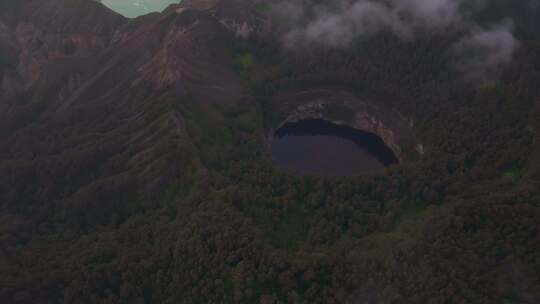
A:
{"x":72,"y":50}
{"x":243,"y":18}
{"x":342,"y":107}
{"x":191,"y":58}
{"x":41,"y":33}
{"x":83,"y":89}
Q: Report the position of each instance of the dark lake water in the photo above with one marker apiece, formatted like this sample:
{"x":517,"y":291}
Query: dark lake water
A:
{"x":320,"y":147}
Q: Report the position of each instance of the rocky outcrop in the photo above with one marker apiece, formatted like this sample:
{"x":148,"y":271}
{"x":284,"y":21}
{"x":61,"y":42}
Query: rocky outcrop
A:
{"x":191,"y":58}
{"x":89,"y":98}
{"x":243,"y":18}
{"x":341,"y":107}
{"x":39,"y":34}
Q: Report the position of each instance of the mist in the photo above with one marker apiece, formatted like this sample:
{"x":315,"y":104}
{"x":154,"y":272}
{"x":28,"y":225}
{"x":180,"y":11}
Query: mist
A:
{"x":337,"y":25}
{"x":484,"y":52}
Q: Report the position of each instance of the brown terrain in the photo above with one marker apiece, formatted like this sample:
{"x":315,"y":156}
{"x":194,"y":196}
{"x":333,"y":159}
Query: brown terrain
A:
{"x":133,"y":164}
{"x":80,"y":81}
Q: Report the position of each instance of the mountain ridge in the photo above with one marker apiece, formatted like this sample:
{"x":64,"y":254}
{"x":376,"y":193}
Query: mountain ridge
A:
{"x":135,"y":166}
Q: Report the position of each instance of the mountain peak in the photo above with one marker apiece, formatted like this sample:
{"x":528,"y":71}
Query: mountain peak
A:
{"x":198,"y":4}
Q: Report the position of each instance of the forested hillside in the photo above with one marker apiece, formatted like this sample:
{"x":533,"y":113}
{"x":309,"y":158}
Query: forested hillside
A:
{"x":134,"y":163}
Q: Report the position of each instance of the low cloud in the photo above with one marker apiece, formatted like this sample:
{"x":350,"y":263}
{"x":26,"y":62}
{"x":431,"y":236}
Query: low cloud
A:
{"x":340,"y":28}
{"x":308,"y":23}
{"x":483,"y":53}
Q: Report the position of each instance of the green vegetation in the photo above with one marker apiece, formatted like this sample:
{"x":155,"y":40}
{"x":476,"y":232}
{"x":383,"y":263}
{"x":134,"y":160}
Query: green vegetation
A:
{"x":263,"y":7}
{"x":7,"y":60}
{"x":513,"y":174}
{"x":245,"y":61}
{"x":156,"y":198}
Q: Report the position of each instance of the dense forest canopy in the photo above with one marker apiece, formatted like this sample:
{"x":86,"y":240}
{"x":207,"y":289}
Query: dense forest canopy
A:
{"x":135,"y":164}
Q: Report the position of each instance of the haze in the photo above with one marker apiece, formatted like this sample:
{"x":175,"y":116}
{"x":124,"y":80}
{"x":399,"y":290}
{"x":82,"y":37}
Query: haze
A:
{"x":135,"y":8}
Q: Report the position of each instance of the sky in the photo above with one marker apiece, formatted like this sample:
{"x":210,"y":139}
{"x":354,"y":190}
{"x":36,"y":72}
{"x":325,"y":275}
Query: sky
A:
{"x":135,"y":8}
